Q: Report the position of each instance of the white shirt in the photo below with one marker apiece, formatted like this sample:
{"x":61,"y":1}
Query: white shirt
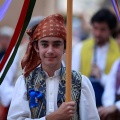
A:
{"x":101,"y":55}
{"x":108,"y":98}
{"x":7,"y":86}
{"x":19,"y":108}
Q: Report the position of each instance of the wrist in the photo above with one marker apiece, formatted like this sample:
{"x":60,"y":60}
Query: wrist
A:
{"x":52,"y":116}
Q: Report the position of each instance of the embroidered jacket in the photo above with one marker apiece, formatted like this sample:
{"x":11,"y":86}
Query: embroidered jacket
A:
{"x":36,"y":81}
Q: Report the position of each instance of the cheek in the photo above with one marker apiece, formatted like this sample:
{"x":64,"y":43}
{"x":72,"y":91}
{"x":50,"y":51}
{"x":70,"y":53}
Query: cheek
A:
{"x":105,"y":34}
{"x":41,"y":53}
{"x":61,"y":52}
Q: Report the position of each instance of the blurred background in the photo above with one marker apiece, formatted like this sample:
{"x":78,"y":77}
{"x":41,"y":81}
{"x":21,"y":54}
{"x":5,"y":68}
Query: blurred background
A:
{"x":82,"y":12}
{"x":81,"y":8}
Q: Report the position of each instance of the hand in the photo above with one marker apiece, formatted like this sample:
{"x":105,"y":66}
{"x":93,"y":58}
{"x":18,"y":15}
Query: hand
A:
{"x":107,"y":112}
{"x":64,"y":112}
{"x":95,"y":71}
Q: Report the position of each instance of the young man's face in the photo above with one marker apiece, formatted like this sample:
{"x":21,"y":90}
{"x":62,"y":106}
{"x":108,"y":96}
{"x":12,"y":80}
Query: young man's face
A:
{"x":101,"y":32}
{"x":50,"y":51}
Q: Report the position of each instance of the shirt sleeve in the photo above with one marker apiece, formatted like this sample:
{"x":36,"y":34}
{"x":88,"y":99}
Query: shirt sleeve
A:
{"x":118,"y":105}
{"x":8,"y":84}
{"x":76,"y":57}
{"x":19,"y":108}
{"x":108,"y":97}
{"x":103,"y":79}
{"x":87,"y":106}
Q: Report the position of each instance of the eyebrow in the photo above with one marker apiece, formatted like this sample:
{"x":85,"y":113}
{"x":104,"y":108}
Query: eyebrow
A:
{"x":43,"y":41}
{"x":46,"y":41}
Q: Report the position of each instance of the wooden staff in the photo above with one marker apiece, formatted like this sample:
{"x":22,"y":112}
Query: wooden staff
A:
{"x":69,"y":50}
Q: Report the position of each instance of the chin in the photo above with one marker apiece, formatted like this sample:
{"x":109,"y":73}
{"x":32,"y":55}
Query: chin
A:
{"x":50,"y":64}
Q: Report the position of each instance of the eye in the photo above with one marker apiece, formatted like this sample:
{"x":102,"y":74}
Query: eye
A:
{"x":57,"y":45}
{"x":44,"y":45}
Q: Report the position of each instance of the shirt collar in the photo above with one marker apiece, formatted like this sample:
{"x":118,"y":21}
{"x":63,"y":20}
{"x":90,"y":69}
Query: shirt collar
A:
{"x":56,"y":73}
{"x":60,"y":72}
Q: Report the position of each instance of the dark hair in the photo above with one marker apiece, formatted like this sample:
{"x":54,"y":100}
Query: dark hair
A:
{"x":117,"y":32}
{"x":105,"y":15}
{"x":64,"y":44}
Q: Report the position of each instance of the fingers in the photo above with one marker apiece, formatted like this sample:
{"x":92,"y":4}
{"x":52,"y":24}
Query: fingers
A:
{"x":66,"y":110}
{"x":72,"y":103}
{"x":71,"y":108}
{"x":103,"y":113}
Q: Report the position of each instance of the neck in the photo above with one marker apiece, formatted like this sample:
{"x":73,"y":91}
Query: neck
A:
{"x":51,"y":69}
{"x":101,"y":44}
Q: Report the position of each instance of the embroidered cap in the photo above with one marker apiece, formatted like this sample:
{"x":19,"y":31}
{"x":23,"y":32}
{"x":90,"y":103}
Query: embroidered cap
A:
{"x":52,"y":26}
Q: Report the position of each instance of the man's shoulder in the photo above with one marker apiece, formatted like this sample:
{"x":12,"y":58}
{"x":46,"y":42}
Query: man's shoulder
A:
{"x":89,"y":40}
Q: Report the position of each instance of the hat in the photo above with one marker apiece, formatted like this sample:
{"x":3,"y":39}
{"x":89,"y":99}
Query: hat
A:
{"x":6,"y":31}
{"x":34,"y":21}
{"x":51,"y":26}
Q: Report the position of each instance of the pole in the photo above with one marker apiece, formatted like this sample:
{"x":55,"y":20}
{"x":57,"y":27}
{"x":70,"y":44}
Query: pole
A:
{"x":69,"y":50}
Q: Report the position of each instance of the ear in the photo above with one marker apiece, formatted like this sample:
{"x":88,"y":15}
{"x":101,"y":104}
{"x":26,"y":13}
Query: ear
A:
{"x":35,"y":45}
{"x":64,"y":51}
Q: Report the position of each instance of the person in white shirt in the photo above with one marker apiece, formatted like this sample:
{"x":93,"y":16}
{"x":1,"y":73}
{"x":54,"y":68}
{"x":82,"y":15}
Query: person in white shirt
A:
{"x":7,"y":86}
{"x":95,"y":56}
{"x":40,"y":93}
{"x":111,"y":95}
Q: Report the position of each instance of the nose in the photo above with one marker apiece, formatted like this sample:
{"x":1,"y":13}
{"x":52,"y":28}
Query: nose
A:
{"x":98,"y":33}
{"x":50,"y":50}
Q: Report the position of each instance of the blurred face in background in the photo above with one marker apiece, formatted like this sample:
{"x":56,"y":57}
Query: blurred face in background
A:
{"x":101,"y":33}
{"x":4,"y":42}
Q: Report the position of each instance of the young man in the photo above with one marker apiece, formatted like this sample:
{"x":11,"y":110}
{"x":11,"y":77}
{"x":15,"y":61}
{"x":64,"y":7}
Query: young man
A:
{"x":96,"y":55}
{"x":111,"y":96}
{"x":40,"y":93}
{"x":7,"y":86}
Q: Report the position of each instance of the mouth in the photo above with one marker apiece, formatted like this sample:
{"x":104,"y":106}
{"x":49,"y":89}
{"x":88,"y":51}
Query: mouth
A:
{"x":50,"y":58}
